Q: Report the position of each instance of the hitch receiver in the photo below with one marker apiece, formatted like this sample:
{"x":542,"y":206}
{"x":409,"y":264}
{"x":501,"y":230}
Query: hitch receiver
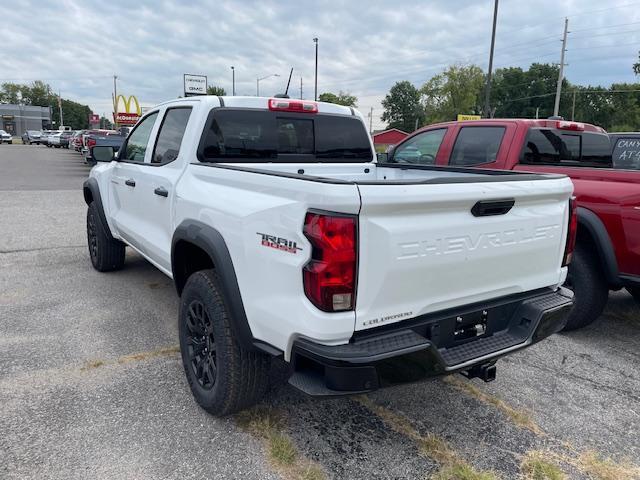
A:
{"x":486,"y":372}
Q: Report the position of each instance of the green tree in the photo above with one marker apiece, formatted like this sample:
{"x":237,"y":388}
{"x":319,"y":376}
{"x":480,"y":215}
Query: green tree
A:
{"x":38,"y":93}
{"x":457,"y":90}
{"x":214,"y":90}
{"x":105,"y":123}
{"x":517,"y":93}
{"x":342,"y":98}
{"x":11,"y":93}
{"x":402,"y":107}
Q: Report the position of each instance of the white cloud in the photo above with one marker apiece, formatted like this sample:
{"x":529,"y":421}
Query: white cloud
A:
{"x":364,"y":47}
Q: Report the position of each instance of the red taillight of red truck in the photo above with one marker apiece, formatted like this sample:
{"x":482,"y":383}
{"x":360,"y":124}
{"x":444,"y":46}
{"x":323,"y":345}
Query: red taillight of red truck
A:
{"x":330,"y":276}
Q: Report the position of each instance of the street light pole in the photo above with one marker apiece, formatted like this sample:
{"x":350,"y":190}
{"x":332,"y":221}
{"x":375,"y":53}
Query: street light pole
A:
{"x":487,"y":94}
{"x":263,"y":78}
{"x":233,"y":81}
{"x":315,"y":91}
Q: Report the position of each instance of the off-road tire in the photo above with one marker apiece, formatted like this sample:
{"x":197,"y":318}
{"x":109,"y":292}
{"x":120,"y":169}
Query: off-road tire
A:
{"x":241,"y":376}
{"x":590,"y":289}
{"x":106,"y":253}
{"x":635,"y":293}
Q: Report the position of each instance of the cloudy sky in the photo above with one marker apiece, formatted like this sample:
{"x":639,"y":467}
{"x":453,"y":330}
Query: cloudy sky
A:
{"x":364,"y":47}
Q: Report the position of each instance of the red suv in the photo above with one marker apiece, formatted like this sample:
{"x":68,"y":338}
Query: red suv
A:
{"x":607,"y":255}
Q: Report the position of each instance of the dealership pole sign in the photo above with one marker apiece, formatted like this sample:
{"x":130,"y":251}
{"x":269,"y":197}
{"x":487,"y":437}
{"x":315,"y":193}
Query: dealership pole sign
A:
{"x":127,"y":115}
{"x":194,"y":85}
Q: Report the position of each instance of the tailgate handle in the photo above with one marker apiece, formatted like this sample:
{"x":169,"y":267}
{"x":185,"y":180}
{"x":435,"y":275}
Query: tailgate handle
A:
{"x":486,"y":208}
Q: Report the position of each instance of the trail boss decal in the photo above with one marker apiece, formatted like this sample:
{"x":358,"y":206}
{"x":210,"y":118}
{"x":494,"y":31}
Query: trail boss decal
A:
{"x":279,"y":243}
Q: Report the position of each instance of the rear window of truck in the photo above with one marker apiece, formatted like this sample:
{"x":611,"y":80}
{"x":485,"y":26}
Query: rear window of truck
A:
{"x":245,"y":136}
{"x":626,"y":153}
{"x":566,"y":148}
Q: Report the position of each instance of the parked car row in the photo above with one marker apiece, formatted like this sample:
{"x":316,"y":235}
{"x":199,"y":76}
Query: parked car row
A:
{"x":81,"y":141}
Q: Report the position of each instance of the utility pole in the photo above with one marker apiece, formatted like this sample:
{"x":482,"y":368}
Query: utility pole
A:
{"x":60,"y":107}
{"x":233,"y":81}
{"x":315,"y":91}
{"x":300,"y":88}
{"x":487,"y":92}
{"x":371,"y":121}
{"x":115,"y":100}
{"x":573,"y":106}
{"x":556,"y":107}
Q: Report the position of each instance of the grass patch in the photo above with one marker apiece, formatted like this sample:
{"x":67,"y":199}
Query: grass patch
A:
{"x":282,"y":450}
{"x":521,"y":418}
{"x":159,"y":352}
{"x":438,"y":450}
{"x":134,"y":357}
{"x":453,"y":467}
{"x":268,"y":425}
{"x":462,"y":471}
{"x":91,"y":364}
{"x":600,"y":468}
{"x":536,"y":466}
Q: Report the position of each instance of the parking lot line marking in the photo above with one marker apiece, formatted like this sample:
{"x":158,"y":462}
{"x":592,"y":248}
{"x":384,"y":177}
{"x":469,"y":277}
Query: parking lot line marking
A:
{"x":268,"y":424}
{"x":133,"y":357}
{"x":452,"y":465}
{"x":25,"y":250}
{"x":519,"y":417}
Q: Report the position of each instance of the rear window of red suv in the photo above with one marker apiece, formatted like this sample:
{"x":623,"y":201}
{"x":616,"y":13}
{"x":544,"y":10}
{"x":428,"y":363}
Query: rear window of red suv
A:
{"x":545,"y":146}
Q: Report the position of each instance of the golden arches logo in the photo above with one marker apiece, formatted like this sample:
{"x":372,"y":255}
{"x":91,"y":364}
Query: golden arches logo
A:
{"x":126,"y":102}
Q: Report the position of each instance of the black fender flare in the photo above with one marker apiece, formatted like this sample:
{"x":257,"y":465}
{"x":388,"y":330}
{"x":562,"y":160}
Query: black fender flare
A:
{"x":91,"y":192}
{"x":602,"y":242}
{"x":211,"y":241}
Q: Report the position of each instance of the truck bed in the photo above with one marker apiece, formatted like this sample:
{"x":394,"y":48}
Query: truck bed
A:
{"x":378,"y":174}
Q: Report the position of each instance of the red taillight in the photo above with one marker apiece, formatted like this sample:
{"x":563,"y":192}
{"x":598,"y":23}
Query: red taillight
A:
{"x":571,"y":232}
{"x":286,"y":105}
{"x":330,"y":276}
{"x":574,"y":126}
{"x":91,"y":142}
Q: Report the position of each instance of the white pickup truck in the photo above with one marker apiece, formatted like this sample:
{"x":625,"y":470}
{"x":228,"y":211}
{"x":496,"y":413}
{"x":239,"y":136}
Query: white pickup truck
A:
{"x":285,"y":238}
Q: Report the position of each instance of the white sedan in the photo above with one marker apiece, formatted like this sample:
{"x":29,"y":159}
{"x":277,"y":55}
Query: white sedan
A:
{"x":5,"y":137}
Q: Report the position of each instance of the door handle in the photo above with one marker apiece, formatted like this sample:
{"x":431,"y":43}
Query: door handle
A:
{"x":131,"y":182}
{"x":163,"y":192}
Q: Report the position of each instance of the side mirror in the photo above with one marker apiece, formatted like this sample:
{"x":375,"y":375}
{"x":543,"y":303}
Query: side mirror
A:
{"x":102,"y":154}
{"x":383,"y":157}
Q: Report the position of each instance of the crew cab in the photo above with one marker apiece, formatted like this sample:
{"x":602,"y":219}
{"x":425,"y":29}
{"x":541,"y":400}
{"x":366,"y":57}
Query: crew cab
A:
{"x":607,"y":254}
{"x":284,"y":238}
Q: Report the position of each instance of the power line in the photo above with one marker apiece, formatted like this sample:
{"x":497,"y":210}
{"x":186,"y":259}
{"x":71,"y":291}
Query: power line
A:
{"x":605,"y":26}
{"x":575,"y":90}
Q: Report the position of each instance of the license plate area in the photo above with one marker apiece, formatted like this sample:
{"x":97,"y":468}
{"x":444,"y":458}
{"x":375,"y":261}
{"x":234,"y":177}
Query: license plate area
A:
{"x":467,"y":326}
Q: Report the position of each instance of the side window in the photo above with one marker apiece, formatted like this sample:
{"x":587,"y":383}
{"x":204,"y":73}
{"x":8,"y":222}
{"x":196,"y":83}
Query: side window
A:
{"x":137,"y":142}
{"x":477,"y":145}
{"x":551,"y":147}
{"x":170,"y":135}
{"x":421,"y":149}
{"x":626,"y":154}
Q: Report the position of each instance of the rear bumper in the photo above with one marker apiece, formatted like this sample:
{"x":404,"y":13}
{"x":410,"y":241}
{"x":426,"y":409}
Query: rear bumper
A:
{"x":427,"y":346}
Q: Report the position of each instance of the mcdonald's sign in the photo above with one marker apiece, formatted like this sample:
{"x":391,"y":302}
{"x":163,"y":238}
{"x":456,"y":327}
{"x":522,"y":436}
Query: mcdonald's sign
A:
{"x":125,"y":115}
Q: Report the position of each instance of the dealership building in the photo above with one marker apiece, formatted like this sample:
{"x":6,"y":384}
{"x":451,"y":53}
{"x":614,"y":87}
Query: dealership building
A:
{"x":17,"y":119}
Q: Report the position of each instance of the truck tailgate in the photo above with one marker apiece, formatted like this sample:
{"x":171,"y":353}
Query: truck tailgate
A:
{"x":423,"y":250}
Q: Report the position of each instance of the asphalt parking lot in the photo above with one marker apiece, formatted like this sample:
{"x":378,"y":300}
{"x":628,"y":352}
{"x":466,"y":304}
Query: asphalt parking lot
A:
{"x":91,"y":385}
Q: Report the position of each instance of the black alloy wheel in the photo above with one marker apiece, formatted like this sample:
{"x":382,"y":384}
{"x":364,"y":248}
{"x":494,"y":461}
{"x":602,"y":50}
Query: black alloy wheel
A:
{"x":201,"y":346}
{"x":93,"y":237}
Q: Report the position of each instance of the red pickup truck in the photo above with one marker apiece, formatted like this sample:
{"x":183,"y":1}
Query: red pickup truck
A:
{"x":607,"y":255}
